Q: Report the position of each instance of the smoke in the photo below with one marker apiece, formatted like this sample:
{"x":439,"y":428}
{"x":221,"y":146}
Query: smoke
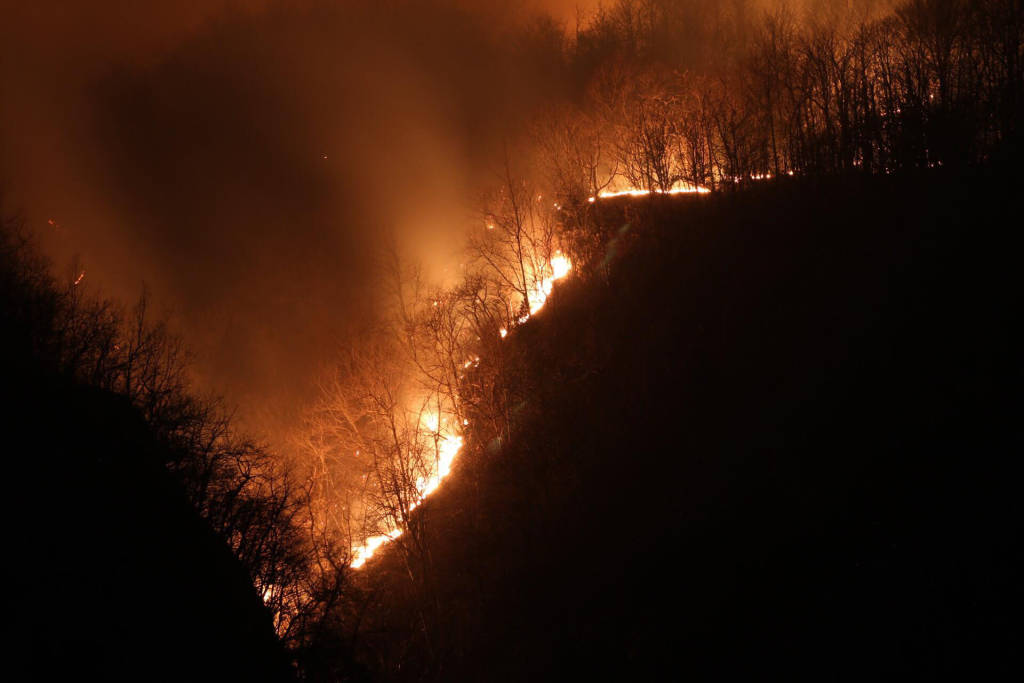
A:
{"x":248,"y":160}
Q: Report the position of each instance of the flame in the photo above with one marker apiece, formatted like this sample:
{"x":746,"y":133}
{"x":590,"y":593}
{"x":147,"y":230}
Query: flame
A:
{"x":681,"y":188}
{"x":449,"y":445}
{"x":447,"y":451}
{"x":436,"y":431}
{"x":560,"y":266}
{"x":370,"y":546}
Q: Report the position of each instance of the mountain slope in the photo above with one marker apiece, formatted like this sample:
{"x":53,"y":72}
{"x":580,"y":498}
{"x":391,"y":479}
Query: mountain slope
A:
{"x":772,"y":439}
{"x":113,"y":574}
{"x":121,"y":578}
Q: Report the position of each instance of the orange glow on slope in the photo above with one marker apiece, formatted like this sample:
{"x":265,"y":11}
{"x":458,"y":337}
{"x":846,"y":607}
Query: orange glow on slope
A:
{"x":683,"y":188}
{"x":449,"y":443}
{"x":448,"y":448}
{"x":435,"y":431}
{"x":560,"y":267}
{"x":364,"y":552}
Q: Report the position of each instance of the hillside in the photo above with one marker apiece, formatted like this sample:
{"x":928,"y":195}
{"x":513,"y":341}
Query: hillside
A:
{"x":434,"y":341}
{"x":773,"y":437}
{"x":121,"y":580}
{"x":113,"y":573}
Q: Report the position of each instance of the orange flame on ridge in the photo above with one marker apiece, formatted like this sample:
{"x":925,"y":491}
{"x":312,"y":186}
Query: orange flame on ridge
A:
{"x":682,"y":188}
{"x":449,"y":443}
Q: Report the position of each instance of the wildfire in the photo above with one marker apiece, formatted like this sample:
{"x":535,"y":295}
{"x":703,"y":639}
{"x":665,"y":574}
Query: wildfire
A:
{"x":448,"y":444}
{"x":364,"y":552}
{"x":682,"y":188}
{"x":437,"y":433}
{"x":560,"y":267}
{"x":448,"y":449}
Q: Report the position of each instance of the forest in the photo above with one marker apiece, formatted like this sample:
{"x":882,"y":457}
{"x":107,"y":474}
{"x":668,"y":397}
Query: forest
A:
{"x":726,"y":383}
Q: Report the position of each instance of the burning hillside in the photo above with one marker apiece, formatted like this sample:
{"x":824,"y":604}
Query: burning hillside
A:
{"x":440,"y":433}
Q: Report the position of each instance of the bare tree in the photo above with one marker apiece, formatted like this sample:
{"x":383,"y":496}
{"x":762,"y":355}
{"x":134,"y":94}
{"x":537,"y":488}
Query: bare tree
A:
{"x":515,"y":245}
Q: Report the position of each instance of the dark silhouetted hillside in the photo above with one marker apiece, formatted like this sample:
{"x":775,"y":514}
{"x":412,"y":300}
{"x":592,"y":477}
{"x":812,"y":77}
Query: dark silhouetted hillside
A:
{"x":777,"y":438}
{"x":114,"y":574}
{"x":119,"y":577}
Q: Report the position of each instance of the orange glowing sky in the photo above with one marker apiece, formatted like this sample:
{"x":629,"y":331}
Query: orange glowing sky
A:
{"x":242,"y":158}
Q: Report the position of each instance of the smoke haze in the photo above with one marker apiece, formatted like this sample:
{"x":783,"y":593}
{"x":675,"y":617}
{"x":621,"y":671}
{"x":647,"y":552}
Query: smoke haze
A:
{"x":247,"y":160}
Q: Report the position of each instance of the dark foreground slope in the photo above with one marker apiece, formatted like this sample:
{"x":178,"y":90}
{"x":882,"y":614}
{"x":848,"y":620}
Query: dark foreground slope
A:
{"x":778,"y":439}
{"x":111,"y":573}
{"x":116,"y":576}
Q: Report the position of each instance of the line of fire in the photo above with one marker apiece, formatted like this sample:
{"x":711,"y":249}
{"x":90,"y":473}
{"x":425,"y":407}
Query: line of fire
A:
{"x":430,"y":341}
